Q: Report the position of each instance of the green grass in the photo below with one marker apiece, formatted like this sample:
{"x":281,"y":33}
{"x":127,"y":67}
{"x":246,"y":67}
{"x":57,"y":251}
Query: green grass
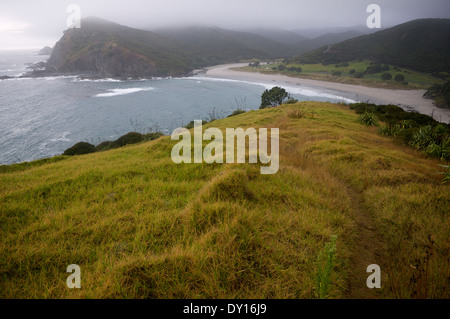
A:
{"x":140,"y":226}
{"x":416,"y":80}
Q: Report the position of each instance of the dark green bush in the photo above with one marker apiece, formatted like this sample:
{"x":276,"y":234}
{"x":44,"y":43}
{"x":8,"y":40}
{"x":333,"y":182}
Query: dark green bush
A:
{"x":386,"y":76}
{"x":368,"y":119}
{"x":291,"y":101}
{"x":129,"y":138}
{"x":418,"y":130}
{"x":191,"y":124}
{"x":104,"y":146}
{"x":440,"y":94}
{"x":80,"y":149}
{"x":399,"y":78}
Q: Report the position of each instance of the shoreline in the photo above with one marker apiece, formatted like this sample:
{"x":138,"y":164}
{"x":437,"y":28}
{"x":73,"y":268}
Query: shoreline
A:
{"x":409,"y":100}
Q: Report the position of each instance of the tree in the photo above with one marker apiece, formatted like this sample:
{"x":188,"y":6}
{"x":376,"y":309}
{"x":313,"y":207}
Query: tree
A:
{"x":274,"y":97}
{"x":386,"y":76}
{"x":281,"y":67}
{"x":399,"y":78}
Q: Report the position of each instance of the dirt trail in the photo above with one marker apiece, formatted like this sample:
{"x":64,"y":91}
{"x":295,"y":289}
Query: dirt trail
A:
{"x":368,"y":250}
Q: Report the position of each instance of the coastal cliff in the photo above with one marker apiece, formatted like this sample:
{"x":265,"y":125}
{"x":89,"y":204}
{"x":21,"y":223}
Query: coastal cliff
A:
{"x":108,"y":49}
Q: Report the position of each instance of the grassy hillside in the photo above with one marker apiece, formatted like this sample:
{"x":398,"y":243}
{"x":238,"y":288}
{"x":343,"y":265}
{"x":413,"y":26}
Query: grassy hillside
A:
{"x":141,"y":226}
{"x":353,"y":72}
{"x":421,"y":45}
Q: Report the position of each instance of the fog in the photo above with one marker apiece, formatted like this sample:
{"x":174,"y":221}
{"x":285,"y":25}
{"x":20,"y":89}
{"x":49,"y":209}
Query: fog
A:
{"x":30,"y":23}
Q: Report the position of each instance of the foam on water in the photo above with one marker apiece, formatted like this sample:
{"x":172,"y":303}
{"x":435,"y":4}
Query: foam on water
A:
{"x":309,"y":92}
{"x":116,"y":92}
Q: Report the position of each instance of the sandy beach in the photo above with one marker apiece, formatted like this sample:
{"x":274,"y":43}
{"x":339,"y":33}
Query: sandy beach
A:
{"x":407,"y":99}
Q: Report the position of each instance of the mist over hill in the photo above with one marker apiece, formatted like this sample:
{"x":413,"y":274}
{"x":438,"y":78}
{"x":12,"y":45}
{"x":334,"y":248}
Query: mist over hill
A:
{"x":422,"y":45}
{"x":219,"y":45}
{"x":108,"y":49}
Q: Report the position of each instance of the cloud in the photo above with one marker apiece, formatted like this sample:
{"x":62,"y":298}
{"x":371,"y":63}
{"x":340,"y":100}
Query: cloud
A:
{"x":13,"y":26}
{"x":47,"y":18}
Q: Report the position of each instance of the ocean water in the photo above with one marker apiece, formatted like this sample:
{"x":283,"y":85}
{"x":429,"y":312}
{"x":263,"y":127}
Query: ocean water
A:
{"x":41,"y":117}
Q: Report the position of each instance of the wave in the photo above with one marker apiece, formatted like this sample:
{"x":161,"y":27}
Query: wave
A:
{"x":309,"y":92}
{"x":47,"y":78}
{"x":112,"y":80}
{"x":61,"y":138}
{"x":116,"y":92}
{"x":97,"y":80}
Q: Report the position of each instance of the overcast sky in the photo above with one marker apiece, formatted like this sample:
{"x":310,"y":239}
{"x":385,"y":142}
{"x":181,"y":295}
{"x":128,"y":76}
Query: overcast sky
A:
{"x":35,"y":23}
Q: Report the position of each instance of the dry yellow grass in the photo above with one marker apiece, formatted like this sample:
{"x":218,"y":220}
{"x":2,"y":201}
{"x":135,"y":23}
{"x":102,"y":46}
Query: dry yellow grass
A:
{"x":141,"y":226}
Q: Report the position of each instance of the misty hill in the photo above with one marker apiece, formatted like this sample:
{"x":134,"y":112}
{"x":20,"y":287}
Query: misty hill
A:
{"x":279,"y":35}
{"x":45,"y":51}
{"x":107,"y":48}
{"x":312,"y":33}
{"x":328,"y":38}
{"x":422,"y":45}
{"x":218,"y":45}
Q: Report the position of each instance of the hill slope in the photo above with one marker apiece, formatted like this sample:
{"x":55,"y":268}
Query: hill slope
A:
{"x":279,"y":35}
{"x":220,"y":45}
{"x":107,"y":48}
{"x":140,"y":226}
{"x":422,"y":45}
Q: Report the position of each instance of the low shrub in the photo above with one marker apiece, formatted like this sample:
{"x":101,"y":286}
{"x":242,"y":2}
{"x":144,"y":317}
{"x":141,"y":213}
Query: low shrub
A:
{"x":291,"y":101}
{"x":296,"y":114}
{"x":104,"y":146}
{"x":191,"y":124}
{"x":368,"y":119}
{"x":415,"y":129}
{"x":80,"y":149}
{"x":386,"y":76}
{"x":129,"y":138}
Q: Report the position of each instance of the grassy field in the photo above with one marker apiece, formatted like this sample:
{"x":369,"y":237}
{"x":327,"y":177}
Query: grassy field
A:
{"x":416,"y":80}
{"x":140,"y":226}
